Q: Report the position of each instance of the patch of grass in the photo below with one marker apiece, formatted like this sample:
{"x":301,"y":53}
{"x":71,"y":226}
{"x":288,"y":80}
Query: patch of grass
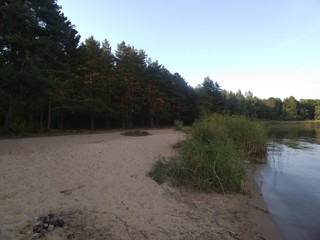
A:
{"x":178,"y":144}
{"x":137,"y":133}
{"x":214,"y":156}
{"x":158,"y":171}
{"x":178,"y":125}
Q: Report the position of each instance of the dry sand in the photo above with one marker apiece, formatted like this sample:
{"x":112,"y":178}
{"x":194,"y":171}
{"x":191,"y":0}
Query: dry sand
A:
{"x":97,"y":183}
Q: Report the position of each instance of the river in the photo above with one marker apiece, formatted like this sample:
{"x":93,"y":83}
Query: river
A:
{"x":290,"y":180}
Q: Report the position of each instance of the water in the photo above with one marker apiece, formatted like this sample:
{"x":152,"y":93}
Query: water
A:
{"x":290,"y":181}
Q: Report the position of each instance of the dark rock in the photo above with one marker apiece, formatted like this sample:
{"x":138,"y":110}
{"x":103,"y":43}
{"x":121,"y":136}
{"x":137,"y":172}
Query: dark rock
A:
{"x":45,"y":226}
{"x":53,"y":221}
{"x":60,"y":222}
{"x":38,"y":228}
{"x":36,"y":236}
{"x":46,"y":219}
{"x":46,"y":223}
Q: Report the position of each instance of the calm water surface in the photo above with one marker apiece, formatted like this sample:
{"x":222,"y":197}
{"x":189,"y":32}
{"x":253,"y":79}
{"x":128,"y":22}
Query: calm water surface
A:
{"x":290,"y":181}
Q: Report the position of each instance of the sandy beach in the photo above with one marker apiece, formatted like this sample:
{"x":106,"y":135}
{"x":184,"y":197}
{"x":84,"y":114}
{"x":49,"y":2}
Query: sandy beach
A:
{"x":97,"y":184}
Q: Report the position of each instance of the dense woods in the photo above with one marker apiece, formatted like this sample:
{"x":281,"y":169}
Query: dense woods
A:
{"x":48,"y":79}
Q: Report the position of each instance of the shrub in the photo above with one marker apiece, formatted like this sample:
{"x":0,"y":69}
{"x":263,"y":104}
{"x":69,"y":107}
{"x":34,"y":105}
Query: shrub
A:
{"x":158,"y":171}
{"x":178,"y":125}
{"x":22,"y":128}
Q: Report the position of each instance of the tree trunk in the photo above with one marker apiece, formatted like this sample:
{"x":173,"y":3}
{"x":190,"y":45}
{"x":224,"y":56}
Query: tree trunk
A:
{"x":41,"y":116}
{"x":49,"y":115}
{"x":61,"y":120}
{"x":151,"y":121}
{"x":107,"y":123}
{"x":9,"y":113}
{"x":91,"y":121}
{"x":123,"y":121}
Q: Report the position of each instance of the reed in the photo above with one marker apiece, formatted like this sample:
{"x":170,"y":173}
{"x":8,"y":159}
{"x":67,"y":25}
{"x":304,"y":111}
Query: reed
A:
{"x":214,"y":155}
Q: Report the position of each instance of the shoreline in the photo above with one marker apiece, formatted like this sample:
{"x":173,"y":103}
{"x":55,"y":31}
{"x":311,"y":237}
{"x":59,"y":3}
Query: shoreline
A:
{"x":97,"y":183}
{"x":260,"y":213}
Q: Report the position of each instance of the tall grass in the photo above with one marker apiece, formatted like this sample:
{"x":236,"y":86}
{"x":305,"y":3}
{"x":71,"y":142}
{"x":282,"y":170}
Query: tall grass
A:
{"x":247,"y":135}
{"x":213,"y":156}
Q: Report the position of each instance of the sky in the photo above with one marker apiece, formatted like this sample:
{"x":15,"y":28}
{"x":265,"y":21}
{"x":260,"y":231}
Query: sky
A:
{"x":271,"y":48}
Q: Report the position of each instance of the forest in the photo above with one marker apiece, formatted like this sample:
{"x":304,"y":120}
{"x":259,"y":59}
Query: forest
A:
{"x":51,"y":80}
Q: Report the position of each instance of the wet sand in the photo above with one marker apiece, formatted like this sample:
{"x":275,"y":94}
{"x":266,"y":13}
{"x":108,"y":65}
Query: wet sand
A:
{"x":98,"y":184}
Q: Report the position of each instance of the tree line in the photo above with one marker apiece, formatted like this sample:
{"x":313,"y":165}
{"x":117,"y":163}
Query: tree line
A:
{"x":48,"y":79}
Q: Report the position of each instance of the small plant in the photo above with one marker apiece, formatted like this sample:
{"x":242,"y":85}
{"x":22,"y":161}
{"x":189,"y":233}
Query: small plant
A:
{"x":158,"y":171}
{"x":22,"y":128}
{"x":137,"y":133}
{"x":178,"y":125}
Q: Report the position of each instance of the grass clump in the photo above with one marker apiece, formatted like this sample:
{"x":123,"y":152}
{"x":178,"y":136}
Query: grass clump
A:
{"x":213,"y":156}
{"x":178,"y":125}
{"x":158,"y":172}
{"x":137,"y":133}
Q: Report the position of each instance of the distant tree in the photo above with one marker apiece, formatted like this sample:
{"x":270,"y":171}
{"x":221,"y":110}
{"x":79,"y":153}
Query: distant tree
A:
{"x":251,"y":105}
{"x":130,"y":72}
{"x":307,"y":108}
{"x":317,"y":112}
{"x":157,"y":102}
{"x":179,"y":97}
{"x":274,"y":108}
{"x":108,"y":67}
{"x":229,"y":98}
{"x":210,"y":97}
{"x":240,"y":104}
{"x":91,"y":95}
{"x":291,"y":108}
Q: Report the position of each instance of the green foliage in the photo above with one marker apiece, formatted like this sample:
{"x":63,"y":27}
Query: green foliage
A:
{"x":18,"y":127}
{"x":291,"y":108}
{"x":213,"y":157}
{"x":209,"y":96}
{"x":36,"y":46}
{"x":178,"y":125}
{"x":317,"y":113}
{"x":48,"y":79}
{"x":178,"y":144}
{"x":245,"y":134}
{"x":158,"y":171}
{"x":22,"y":128}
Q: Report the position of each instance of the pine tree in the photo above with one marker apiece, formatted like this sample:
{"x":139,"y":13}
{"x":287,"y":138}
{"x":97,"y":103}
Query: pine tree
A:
{"x":130,"y":73}
{"x":36,"y":46}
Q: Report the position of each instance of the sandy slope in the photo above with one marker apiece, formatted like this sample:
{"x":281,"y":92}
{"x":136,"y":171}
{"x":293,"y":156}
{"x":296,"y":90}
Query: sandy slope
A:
{"x":98,"y":184}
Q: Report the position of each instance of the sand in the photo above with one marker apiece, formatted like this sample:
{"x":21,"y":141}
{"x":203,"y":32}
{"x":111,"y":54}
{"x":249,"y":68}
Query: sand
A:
{"x":98,"y":184}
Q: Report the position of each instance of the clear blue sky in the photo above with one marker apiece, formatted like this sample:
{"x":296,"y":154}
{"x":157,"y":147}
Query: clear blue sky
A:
{"x":271,"y":48}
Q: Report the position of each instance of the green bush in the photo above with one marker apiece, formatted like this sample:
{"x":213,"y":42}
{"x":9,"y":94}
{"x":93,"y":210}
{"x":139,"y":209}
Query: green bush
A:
{"x":178,"y":125}
{"x":213,"y":156}
{"x":158,"y":171}
{"x":22,"y":128}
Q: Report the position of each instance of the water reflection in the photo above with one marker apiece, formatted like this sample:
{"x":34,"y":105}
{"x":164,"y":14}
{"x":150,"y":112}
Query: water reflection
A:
{"x":295,"y":135}
{"x":289,"y":181}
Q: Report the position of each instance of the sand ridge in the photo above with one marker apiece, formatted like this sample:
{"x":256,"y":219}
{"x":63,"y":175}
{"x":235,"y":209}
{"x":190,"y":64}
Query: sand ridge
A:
{"x":98,"y":184}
